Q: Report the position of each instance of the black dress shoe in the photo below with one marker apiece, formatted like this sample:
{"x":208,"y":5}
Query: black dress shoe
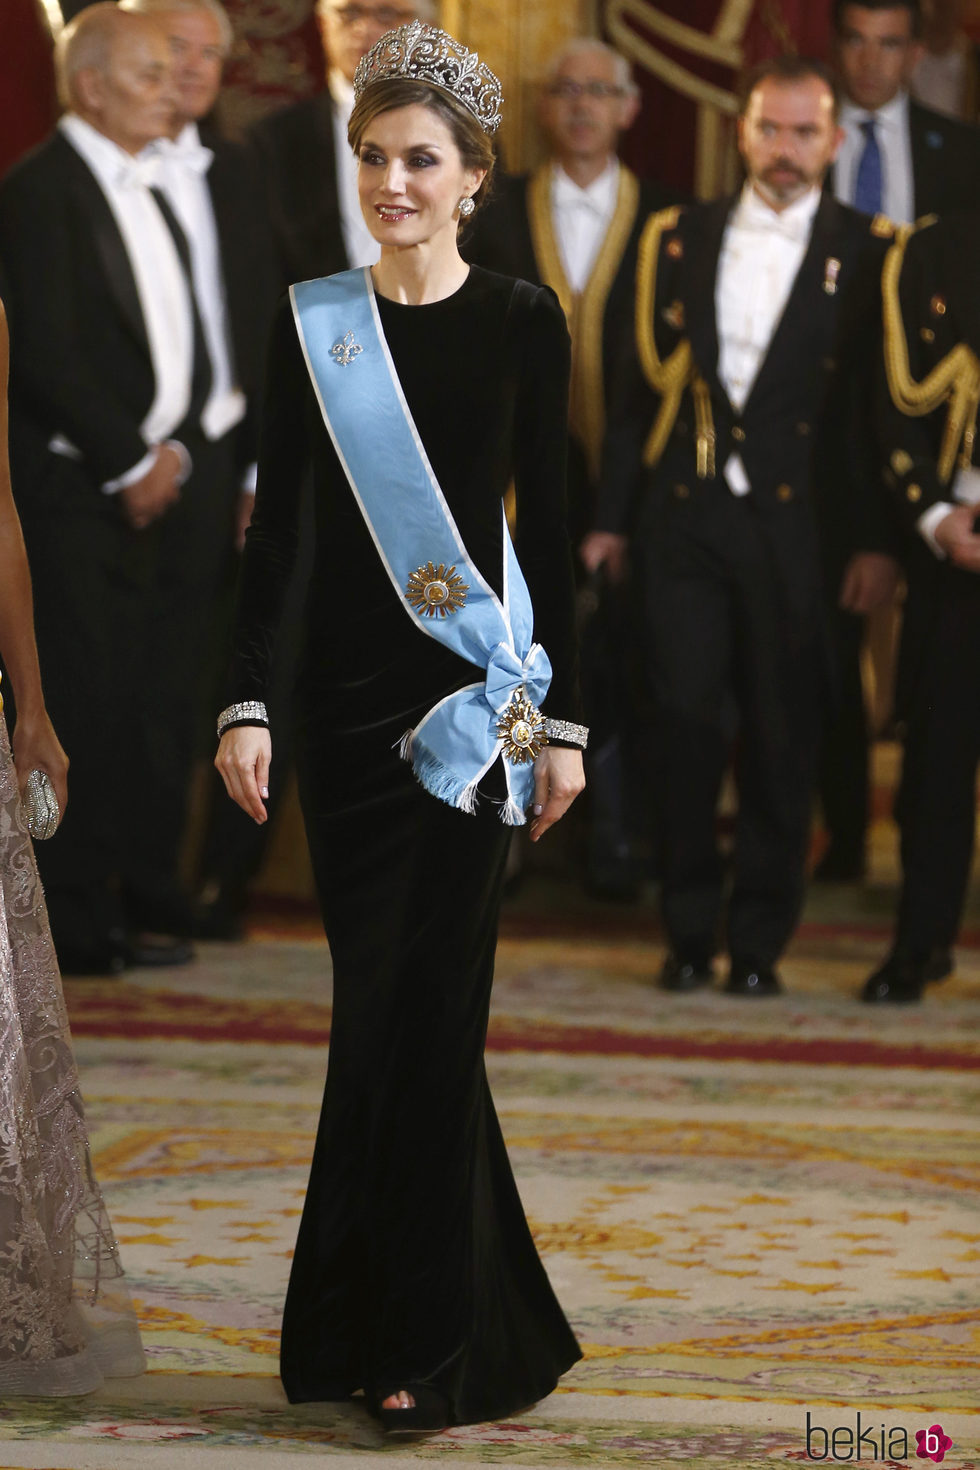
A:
{"x":904,"y":976}
{"x":153,"y":951}
{"x":752,"y":980}
{"x":681,"y":975}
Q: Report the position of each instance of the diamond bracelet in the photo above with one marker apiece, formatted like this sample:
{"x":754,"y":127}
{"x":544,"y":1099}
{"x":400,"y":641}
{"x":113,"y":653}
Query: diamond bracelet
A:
{"x":252,"y":709}
{"x":565,"y":730}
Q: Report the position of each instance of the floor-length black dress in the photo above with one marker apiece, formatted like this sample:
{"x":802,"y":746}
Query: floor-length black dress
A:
{"x":414,"y":1261}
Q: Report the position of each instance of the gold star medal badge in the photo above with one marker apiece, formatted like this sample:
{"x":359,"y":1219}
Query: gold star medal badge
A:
{"x":436,"y":591}
{"x":521,"y":728}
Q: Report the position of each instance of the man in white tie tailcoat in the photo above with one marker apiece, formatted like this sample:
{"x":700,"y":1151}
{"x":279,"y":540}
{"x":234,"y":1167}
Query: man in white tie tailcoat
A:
{"x":738,"y":448}
{"x":124,"y":445}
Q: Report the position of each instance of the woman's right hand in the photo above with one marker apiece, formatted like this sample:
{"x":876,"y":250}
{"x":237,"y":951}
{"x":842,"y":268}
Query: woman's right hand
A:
{"x":243,"y":761}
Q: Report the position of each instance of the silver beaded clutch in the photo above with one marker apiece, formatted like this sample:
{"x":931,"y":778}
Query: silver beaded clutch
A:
{"x":41,"y":810}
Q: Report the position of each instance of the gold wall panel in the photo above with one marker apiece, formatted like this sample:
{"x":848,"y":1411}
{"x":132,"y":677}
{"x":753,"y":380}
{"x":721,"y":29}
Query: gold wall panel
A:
{"x":515,"y":38}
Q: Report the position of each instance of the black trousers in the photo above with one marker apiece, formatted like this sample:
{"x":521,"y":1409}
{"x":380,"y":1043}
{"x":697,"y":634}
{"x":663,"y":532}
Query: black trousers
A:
{"x":736,"y":659}
{"x":122,"y":625}
{"x":843,"y":777}
{"x":936,"y":806}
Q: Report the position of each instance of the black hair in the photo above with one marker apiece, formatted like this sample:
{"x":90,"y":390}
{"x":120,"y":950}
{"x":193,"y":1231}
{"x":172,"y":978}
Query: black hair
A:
{"x":914,"y":8}
{"x":788,"y":69}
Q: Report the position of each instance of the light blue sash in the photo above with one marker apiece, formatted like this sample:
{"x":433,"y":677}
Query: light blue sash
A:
{"x":378,"y":445}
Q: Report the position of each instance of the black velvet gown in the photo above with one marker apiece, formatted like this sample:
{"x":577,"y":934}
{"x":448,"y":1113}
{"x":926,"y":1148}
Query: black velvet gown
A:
{"x":414,"y":1261}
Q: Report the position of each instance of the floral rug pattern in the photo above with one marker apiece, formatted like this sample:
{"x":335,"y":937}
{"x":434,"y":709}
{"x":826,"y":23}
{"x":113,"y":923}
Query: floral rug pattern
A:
{"x":752,"y":1211}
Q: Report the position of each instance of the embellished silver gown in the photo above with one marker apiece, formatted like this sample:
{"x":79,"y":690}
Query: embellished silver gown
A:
{"x":66,"y":1322}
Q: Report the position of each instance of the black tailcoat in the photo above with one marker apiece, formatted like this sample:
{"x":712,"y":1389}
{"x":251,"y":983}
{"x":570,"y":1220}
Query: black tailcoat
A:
{"x":806,"y":423}
{"x":81,"y":364}
{"x":733,"y":589}
{"x":296,"y":152}
{"x":119,"y":613}
{"x":939,"y":684}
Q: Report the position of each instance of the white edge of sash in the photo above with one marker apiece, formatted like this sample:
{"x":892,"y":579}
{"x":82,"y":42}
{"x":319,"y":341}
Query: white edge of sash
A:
{"x":423,"y":456}
{"x":508,"y":546}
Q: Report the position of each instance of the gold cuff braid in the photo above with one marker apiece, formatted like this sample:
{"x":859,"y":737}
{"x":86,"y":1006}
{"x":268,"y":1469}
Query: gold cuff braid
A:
{"x":670,"y":377}
{"x":956,"y":379}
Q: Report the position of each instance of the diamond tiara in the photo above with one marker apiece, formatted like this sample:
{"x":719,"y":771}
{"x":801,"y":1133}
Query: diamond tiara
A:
{"x":425,"y":54}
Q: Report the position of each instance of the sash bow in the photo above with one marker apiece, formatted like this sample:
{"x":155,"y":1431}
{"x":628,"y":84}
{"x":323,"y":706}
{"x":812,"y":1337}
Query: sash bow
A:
{"x":506,"y":674}
{"x":457,"y":741}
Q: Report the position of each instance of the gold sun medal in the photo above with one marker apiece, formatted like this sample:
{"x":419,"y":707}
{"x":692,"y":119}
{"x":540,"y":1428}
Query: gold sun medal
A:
{"x":436,"y":591}
{"x":521,"y":728}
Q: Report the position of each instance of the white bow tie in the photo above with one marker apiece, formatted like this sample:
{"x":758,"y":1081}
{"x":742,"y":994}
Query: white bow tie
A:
{"x":795,"y":229}
{"x":568,"y":195}
{"x":141,"y":172}
{"x":186,"y":153}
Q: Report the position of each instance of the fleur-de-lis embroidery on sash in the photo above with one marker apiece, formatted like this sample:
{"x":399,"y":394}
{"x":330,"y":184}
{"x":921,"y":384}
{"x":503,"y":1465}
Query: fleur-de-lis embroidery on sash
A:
{"x":344,"y":352}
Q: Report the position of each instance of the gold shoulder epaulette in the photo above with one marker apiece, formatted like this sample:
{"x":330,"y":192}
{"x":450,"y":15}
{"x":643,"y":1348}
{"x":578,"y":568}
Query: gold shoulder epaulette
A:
{"x":666,"y":219}
{"x":671,"y":376}
{"x":954,"y":382}
{"x":882,"y":227}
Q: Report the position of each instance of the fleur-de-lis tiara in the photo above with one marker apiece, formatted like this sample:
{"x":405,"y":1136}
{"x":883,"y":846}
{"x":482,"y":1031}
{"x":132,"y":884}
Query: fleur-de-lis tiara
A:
{"x":426,"y":54}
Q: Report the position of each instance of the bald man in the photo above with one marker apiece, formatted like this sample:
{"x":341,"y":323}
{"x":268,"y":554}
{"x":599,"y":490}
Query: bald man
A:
{"x":113,"y":465}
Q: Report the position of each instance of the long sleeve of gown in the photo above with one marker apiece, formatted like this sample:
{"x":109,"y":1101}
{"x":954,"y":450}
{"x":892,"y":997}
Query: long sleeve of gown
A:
{"x":542,"y":538}
{"x":271,"y":539}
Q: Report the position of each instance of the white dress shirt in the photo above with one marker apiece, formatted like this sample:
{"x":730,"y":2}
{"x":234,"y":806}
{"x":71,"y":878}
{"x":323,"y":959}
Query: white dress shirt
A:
{"x":895,"y":143}
{"x":581,"y":218}
{"x":160,"y":283}
{"x":183,"y":178}
{"x":761,"y":254}
{"x":966,"y":491}
{"x":361,"y":246}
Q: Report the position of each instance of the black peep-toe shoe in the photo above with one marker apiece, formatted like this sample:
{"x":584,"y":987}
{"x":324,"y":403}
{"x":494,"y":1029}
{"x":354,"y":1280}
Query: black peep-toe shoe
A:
{"x":429,"y":1414}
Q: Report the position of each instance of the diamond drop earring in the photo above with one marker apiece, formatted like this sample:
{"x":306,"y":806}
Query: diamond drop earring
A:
{"x":466,"y":206}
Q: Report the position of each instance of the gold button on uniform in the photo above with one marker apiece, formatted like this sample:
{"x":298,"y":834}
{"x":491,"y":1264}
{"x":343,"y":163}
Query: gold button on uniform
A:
{"x":927,"y":334}
{"x":681,"y":492}
{"x":738,"y":434}
{"x":914,"y":493}
{"x":803,"y":429}
{"x":785,"y":492}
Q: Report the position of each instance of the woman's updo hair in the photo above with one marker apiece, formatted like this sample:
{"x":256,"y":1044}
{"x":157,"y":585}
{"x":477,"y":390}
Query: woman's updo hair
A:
{"x":388,"y":94}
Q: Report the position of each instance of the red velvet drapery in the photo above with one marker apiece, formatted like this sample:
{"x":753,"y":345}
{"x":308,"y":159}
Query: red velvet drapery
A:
{"x":27,"y":101}
{"x":663,"y":142}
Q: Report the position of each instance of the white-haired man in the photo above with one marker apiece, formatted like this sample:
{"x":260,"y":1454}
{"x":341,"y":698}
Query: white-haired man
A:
{"x":310,"y":174}
{"x":211,"y":183}
{"x":113,"y":463}
{"x":574,"y":225}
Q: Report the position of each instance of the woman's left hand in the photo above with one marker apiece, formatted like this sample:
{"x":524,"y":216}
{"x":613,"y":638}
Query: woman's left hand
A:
{"x":37,"y":748}
{"x":559,"y":776}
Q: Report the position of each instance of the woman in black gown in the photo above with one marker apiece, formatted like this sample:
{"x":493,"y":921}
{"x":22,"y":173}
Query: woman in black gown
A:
{"x":415,"y":1277}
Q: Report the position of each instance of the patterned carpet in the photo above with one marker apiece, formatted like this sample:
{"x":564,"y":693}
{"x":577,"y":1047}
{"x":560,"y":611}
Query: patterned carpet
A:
{"x":752,"y":1211}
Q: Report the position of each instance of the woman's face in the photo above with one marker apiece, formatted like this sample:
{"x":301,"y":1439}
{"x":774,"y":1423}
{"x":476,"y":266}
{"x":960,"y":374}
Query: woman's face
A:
{"x":411,"y":177}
